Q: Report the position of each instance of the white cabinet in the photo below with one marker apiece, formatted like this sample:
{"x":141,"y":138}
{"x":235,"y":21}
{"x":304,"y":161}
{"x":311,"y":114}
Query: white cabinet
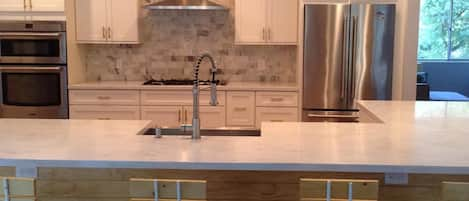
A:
{"x":276,"y":107}
{"x":91,"y":21}
{"x":210,"y":117}
{"x":164,"y":116}
{"x":104,"y":97}
{"x":123,"y":21}
{"x":105,"y":104}
{"x":241,"y":108}
{"x":47,"y":5}
{"x":251,"y":18}
{"x":275,"y":114}
{"x":172,"y":108}
{"x":273,"y":22}
{"x":12,"y":5}
{"x":104,"y":112}
{"x":107,"y":21}
{"x":175,"y":116}
{"x":33,"y":5}
{"x":178,"y":97}
{"x":283,"y":21}
{"x":277,"y":99}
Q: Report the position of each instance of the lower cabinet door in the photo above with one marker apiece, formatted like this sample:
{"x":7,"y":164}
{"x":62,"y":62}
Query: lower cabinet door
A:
{"x":104,"y":112}
{"x":275,"y":114}
{"x":164,"y":116}
{"x":240,"y":109}
{"x":210,"y":117}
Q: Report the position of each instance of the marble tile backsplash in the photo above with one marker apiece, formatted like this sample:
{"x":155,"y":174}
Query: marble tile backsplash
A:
{"x":173,"y":39}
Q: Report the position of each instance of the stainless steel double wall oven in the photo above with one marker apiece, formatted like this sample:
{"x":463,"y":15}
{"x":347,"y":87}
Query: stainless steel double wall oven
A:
{"x":33,"y":70}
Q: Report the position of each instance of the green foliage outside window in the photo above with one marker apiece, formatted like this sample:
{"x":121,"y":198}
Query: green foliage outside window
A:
{"x":444,"y":30}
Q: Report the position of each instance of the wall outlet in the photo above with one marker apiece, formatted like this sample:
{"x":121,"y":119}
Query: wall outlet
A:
{"x":396,"y":178}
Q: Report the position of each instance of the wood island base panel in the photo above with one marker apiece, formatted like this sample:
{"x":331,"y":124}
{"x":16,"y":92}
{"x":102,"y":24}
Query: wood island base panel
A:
{"x":80,"y":184}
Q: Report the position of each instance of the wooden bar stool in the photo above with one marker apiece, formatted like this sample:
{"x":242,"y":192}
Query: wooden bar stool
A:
{"x":338,"y":189}
{"x":167,"y":190}
{"x":17,"y":189}
{"x":455,"y":191}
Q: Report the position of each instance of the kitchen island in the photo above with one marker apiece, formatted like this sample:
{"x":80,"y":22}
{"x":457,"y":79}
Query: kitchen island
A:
{"x":428,"y":141}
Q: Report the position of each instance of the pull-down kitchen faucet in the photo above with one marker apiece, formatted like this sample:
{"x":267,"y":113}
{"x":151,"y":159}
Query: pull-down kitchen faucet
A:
{"x":196,"y":93}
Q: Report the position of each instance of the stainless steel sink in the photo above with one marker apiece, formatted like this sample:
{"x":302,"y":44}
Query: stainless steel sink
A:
{"x":208,"y":132}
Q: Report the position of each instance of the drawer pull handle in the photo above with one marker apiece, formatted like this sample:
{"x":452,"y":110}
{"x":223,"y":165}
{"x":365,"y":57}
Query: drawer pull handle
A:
{"x":276,"y":99}
{"x":240,"y":109}
{"x":276,"y":121}
{"x":104,"y":97}
{"x":104,"y":118}
{"x":179,"y":116}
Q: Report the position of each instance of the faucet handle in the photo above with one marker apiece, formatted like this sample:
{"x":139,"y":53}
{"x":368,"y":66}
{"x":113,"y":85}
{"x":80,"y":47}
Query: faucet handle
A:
{"x":213,"y":95}
{"x":158,"y":133}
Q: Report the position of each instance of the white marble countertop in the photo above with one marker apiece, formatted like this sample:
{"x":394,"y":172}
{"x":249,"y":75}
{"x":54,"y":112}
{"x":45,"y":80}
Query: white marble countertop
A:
{"x":420,"y":137}
{"x":136,"y":85}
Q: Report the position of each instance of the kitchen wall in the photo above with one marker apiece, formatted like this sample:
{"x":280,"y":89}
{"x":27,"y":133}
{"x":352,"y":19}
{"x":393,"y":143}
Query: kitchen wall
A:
{"x":173,"y":39}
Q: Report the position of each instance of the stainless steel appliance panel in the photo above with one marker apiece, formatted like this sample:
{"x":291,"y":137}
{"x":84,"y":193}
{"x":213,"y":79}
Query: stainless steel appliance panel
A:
{"x":374,"y":51}
{"x":33,"y":92}
{"x":33,"y":43}
{"x":325,"y":57}
{"x":348,"y":56}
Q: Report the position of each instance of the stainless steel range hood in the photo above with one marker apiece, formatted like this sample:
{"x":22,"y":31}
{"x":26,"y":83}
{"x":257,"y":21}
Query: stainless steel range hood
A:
{"x":185,"y":5}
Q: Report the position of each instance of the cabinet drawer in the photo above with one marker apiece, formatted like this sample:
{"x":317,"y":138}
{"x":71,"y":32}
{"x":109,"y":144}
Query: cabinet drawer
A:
{"x":183,"y":98}
{"x":241,"y":109}
{"x":104,"y":97}
{"x":210,"y":117}
{"x":103,"y":112}
{"x":271,"y":114}
{"x":277,"y":99}
{"x":164,"y":116}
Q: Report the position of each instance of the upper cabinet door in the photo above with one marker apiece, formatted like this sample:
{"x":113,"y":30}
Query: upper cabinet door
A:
{"x":12,"y":5}
{"x":283,"y":21}
{"x":48,"y":5}
{"x":251,"y":21}
{"x":91,"y":24}
{"x":123,"y":17}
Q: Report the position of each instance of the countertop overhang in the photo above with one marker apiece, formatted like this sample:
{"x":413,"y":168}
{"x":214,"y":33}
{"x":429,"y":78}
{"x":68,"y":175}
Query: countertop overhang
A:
{"x":416,"y":137}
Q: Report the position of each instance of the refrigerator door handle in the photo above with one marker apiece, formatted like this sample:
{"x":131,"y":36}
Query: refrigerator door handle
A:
{"x":332,"y":116}
{"x":354,"y":58}
{"x":343,"y":86}
{"x":347,"y":52}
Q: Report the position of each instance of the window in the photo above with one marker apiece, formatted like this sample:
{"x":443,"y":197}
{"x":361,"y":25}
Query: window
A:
{"x":444,"y":30}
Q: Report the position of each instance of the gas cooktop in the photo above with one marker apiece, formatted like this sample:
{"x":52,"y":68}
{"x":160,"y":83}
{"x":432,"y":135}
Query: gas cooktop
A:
{"x":180,"y":82}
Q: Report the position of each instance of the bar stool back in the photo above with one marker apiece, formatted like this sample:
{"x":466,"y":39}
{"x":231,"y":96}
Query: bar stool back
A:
{"x":338,"y":189}
{"x":455,"y":191}
{"x":17,"y":189}
{"x":167,"y":190}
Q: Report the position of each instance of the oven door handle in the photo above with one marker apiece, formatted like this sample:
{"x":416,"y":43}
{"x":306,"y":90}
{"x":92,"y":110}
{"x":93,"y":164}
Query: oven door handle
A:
{"x":9,"y":34}
{"x":30,"y":69}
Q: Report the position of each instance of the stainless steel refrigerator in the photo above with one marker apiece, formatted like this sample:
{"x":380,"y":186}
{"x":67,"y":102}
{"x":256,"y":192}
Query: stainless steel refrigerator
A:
{"x":348,"y":56}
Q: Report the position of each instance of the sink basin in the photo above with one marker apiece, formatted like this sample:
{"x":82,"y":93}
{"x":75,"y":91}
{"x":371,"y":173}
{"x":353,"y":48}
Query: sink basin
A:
{"x":208,"y":132}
